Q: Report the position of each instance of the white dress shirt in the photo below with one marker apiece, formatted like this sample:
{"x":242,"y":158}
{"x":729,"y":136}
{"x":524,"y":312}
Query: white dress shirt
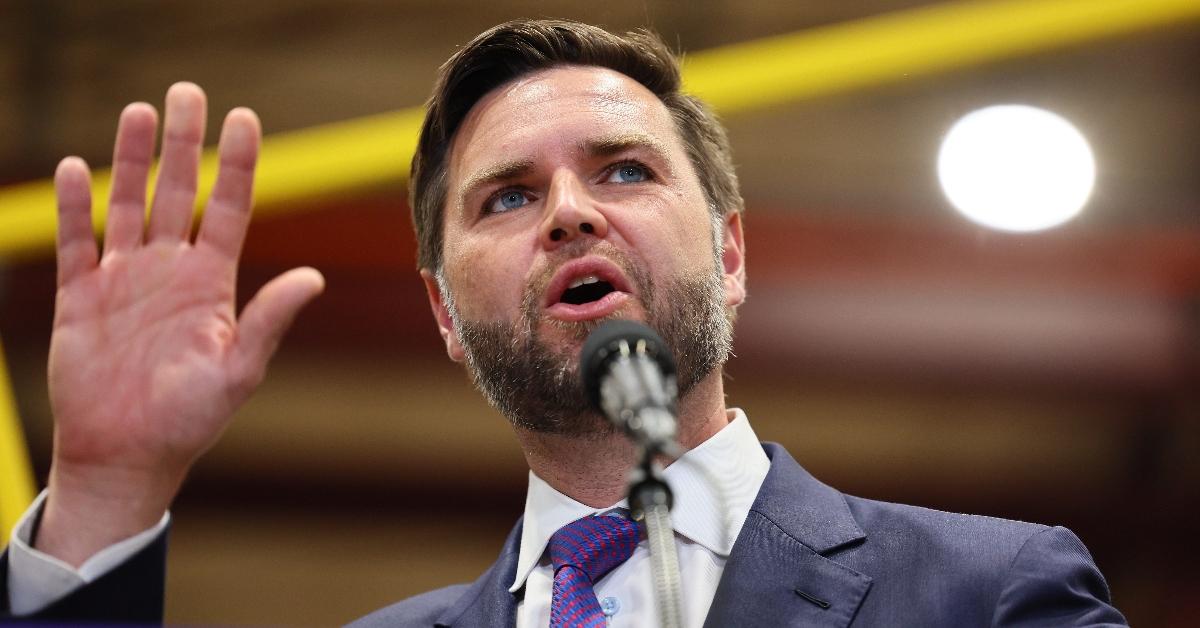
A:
{"x":707,"y":517}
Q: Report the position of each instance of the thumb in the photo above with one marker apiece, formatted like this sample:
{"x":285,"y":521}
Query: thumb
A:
{"x":267,"y":317}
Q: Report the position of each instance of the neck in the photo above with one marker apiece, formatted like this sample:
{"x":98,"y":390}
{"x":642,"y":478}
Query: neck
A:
{"x":594,"y":469}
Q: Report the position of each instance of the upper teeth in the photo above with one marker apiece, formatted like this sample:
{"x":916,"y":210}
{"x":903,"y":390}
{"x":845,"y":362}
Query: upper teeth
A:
{"x":583,"y":280}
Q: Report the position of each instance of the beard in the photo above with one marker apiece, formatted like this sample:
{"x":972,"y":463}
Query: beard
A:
{"x":537,"y":387}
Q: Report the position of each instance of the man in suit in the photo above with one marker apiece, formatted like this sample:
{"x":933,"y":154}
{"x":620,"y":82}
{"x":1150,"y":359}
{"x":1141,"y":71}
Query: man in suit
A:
{"x":561,"y":179}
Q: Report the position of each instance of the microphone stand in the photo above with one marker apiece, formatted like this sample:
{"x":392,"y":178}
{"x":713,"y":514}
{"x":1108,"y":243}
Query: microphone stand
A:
{"x":650,"y":500}
{"x":630,"y":377}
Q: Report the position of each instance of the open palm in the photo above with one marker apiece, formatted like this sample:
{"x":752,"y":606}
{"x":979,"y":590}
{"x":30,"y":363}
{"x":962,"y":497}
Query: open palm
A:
{"x":148,"y":359}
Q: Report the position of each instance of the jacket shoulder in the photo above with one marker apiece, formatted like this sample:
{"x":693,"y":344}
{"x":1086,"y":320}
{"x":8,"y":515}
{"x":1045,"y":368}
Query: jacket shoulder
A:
{"x":977,"y":539}
{"x":978,"y":570}
{"x":483,"y":602}
{"x":420,"y":610}
{"x":969,"y":555}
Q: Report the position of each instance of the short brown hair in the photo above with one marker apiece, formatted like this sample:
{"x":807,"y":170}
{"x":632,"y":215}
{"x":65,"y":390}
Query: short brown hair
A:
{"x":513,"y":49}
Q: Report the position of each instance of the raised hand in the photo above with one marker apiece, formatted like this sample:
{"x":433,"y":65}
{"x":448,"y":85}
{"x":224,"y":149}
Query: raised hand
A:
{"x":148,"y":359}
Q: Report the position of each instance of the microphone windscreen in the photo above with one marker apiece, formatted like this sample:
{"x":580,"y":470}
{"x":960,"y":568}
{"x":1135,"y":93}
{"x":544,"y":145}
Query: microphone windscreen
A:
{"x":604,"y":344}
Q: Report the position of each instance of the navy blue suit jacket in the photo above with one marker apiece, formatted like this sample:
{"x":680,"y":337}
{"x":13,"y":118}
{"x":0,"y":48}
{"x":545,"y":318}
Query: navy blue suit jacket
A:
{"x":810,"y":556}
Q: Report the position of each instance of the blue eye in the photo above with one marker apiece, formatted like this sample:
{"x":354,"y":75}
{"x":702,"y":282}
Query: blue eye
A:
{"x":506,"y":201}
{"x":629,"y":173}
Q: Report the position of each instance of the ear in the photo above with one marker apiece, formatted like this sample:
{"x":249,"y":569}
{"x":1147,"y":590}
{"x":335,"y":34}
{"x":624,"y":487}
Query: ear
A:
{"x":733,"y":261}
{"x":442,"y":315}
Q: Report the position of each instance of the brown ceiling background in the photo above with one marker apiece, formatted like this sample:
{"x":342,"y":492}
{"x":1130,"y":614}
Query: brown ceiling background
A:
{"x":898,"y":351}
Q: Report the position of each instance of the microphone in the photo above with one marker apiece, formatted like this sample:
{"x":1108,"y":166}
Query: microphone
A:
{"x":629,"y":375}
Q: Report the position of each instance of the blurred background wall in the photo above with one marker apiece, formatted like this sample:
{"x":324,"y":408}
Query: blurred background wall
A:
{"x":899,"y":351}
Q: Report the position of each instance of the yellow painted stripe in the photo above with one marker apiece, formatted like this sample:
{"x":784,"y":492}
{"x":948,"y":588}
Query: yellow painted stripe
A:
{"x":16,"y":479}
{"x":365,"y":152}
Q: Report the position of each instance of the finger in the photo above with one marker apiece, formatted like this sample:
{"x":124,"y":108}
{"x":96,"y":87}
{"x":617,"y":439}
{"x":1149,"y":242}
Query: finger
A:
{"x":132,"y":155}
{"x":228,"y":212}
{"x":266,"y":317}
{"x":76,"y":251}
{"x":175,"y":190}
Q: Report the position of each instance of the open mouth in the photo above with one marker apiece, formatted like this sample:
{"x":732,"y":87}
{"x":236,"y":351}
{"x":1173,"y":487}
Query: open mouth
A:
{"x":586,"y":290}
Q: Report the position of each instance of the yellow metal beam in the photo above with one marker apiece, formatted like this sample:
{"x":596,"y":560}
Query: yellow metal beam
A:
{"x":376,"y":150}
{"x":895,"y":47}
{"x":16,"y":480}
{"x":306,"y":164}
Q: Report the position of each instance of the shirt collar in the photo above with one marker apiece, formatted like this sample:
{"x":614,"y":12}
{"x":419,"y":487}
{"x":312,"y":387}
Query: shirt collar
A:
{"x":710,"y":514}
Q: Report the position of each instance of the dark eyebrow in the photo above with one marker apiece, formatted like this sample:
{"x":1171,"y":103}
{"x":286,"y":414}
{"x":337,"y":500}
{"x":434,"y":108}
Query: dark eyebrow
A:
{"x":495,"y":174}
{"x":612,"y":145}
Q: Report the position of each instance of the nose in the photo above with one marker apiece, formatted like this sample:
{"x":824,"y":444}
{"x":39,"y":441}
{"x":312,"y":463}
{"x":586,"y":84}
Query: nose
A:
{"x":570,"y":212}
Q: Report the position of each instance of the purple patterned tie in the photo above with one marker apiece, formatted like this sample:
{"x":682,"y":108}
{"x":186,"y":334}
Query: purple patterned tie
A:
{"x":582,"y":552}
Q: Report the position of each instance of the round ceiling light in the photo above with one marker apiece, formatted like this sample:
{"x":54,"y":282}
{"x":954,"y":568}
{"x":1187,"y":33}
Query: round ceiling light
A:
{"x":1016,"y":168}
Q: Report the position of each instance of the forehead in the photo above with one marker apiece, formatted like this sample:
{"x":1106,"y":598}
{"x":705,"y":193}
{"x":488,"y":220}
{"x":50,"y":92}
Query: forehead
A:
{"x":556,"y":108}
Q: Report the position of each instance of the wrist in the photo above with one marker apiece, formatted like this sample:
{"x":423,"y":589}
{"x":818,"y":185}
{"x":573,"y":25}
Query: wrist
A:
{"x":89,"y":507}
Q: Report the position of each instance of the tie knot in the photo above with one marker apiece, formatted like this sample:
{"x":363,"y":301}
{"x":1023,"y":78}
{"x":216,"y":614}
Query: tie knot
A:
{"x":595,"y":545}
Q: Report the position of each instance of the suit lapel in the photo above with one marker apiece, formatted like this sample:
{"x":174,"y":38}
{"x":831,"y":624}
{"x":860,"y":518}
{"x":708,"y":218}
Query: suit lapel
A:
{"x":778,"y":573}
{"x":487,"y":602}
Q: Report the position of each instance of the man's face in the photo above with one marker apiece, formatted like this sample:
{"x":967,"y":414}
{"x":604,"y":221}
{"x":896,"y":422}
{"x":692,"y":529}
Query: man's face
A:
{"x":572,"y":201}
